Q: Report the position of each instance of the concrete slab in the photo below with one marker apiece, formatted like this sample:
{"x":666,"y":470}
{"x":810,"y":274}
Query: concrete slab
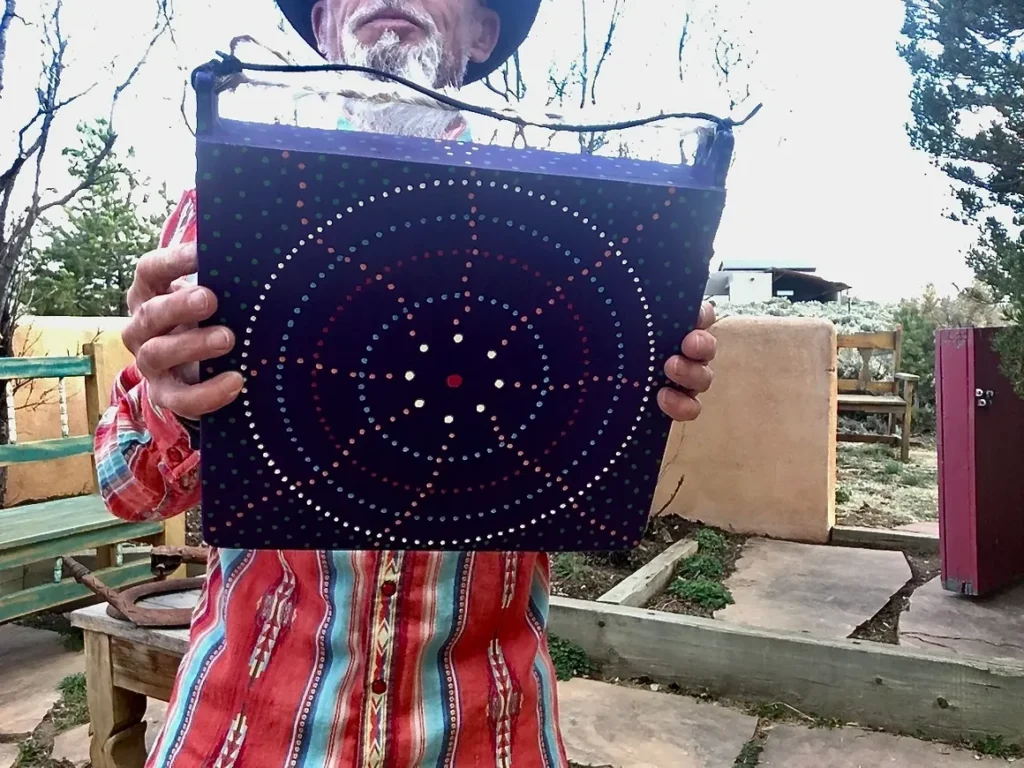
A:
{"x":609,"y":725}
{"x":8,"y":755}
{"x":156,"y":712}
{"x":72,"y":746}
{"x":32,"y":663}
{"x":930,"y":528}
{"x":941,"y":621}
{"x":818,"y":590}
{"x":795,"y":747}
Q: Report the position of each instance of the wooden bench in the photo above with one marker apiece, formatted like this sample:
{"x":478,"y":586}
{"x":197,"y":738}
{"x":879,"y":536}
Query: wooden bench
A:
{"x":42,"y":532}
{"x":893,"y":397}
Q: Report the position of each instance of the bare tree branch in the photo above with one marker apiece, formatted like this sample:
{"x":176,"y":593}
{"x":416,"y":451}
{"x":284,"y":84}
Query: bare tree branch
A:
{"x":31,"y":157}
{"x":161,"y":27}
{"x":585,"y":63}
{"x":181,"y":108}
{"x":684,"y":36}
{"x":494,"y":89}
{"x":5,"y":22}
{"x":616,"y":15}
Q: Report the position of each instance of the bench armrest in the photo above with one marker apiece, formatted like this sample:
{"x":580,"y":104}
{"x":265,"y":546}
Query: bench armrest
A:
{"x":907,"y":377}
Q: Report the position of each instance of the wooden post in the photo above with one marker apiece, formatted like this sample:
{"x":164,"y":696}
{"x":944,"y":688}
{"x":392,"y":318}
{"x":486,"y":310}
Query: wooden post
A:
{"x":96,"y":399}
{"x":117,"y":732}
{"x":897,"y":367}
{"x":97,"y":396}
{"x":908,"y":417}
{"x":174,"y":536}
{"x":864,"y":379}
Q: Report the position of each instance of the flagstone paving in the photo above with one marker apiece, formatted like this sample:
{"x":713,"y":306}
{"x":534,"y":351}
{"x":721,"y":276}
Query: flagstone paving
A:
{"x":603,"y":724}
{"x":944,"y":622}
{"x":818,"y":590}
{"x":32,"y":664}
{"x":72,"y":746}
{"x":797,"y":747}
{"x":8,"y":755}
{"x":930,"y":527}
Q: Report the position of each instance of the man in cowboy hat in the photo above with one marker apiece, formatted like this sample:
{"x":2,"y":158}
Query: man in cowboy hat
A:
{"x":347,"y":659}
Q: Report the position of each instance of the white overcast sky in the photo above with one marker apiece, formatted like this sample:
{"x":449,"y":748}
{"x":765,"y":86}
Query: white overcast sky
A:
{"x":824,"y":175}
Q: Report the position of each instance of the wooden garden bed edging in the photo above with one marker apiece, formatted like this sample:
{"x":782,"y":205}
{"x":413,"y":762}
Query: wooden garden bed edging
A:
{"x":643,"y":584}
{"x":880,"y":538}
{"x":945,"y":697}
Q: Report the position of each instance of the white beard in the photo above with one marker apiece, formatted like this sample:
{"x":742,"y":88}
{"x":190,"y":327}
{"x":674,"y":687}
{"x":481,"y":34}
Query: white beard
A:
{"x":423,"y":63}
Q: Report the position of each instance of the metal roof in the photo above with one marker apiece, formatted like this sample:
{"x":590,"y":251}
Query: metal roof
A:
{"x":763,"y":266}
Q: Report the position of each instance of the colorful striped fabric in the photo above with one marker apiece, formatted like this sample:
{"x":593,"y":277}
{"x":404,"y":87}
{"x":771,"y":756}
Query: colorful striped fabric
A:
{"x":341,"y":659}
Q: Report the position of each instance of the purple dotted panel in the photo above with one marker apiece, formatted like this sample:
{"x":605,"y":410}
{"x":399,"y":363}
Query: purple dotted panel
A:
{"x":440,"y":356}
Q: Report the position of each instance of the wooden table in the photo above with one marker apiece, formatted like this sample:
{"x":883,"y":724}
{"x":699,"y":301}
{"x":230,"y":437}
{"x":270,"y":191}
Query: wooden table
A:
{"x":123,"y":666}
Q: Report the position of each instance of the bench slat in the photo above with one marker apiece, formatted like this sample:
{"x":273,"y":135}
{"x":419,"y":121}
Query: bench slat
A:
{"x":858,"y":400}
{"x":867,"y":437}
{"x":45,"y":450}
{"x":871,"y":404}
{"x":44,"y":367}
{"x":883,"y":340}
{"x":853,"y":387}
{"x":32,"y":523}
{"x":63,"y":545}
{"x":48,"y":596}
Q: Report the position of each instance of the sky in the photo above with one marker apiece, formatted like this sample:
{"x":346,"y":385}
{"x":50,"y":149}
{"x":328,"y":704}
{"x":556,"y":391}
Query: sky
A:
{"x":824,"y":175}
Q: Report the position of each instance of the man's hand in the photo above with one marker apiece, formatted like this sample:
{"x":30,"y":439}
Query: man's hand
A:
{"x":690,"y":370}
{"x":164,"y":337}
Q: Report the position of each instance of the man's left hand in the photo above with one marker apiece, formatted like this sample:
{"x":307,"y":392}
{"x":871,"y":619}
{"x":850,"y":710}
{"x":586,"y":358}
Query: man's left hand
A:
{"x":690,"y":371}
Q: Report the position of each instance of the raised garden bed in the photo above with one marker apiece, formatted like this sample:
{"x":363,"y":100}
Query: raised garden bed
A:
{"x":588,"y":575}
{"x":866,"y":679}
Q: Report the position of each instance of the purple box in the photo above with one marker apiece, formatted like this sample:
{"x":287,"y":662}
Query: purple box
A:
{"x":447,"y":346}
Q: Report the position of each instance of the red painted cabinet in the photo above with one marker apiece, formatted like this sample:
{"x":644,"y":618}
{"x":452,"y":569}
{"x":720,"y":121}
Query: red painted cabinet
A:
{"x":981,"y":464}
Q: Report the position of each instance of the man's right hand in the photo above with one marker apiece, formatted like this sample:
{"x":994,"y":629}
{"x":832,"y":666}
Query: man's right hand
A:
{"x":164,"y":337}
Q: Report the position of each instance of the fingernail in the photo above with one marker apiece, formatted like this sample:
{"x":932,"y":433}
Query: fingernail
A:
{"x":198,"y":300}
{"x":221,"y":338}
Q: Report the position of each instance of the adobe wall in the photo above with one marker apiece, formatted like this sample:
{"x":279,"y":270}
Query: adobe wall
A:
{"x":762,"y":456}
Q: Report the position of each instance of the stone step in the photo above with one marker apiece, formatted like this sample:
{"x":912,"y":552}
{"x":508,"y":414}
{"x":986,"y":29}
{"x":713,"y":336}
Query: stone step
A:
{"x":32,"y":664}
{"x":818,"y":590}
{"x":945,"y":622}
{"x":610,"y":725}
{"x":790,"y":746}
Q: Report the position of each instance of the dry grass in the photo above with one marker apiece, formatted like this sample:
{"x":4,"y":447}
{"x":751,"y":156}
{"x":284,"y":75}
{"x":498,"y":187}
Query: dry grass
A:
{"x":876,"y":490}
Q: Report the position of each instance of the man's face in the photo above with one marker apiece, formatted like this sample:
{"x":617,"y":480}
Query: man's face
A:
{"x":426,"y":41}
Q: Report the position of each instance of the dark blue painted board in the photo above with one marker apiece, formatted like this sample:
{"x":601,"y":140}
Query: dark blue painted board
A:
{"x":442,"y":351}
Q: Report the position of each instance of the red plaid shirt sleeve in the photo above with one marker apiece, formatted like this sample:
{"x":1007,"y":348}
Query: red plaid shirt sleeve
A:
{"x":146,"y":467}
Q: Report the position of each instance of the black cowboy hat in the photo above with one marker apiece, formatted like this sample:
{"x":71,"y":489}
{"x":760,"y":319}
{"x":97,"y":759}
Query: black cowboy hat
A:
{"x":517,"y":17}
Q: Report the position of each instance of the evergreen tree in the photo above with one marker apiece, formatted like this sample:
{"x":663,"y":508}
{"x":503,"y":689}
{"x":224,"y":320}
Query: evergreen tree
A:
{"x":87,"y":260}
{"x":967,"y":57}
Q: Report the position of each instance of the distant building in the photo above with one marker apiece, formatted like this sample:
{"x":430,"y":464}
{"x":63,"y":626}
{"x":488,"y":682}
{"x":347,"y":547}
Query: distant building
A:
{"x":743,"y":282}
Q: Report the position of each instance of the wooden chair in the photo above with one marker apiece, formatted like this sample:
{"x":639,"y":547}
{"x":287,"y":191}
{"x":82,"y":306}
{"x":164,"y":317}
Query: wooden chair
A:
{"x":866,"y":395}
{"x":41,"y":532}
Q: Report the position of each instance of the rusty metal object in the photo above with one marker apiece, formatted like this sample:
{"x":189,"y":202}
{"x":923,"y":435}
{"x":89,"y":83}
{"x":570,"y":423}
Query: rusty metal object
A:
{"x":166,"y":560}
{"x":122,"y":605}
{"x":128,"y":608}
{"x":84,"y":577}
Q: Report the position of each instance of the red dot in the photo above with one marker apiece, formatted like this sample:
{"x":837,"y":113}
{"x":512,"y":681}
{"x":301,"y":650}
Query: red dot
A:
{"x":454,"y":381}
